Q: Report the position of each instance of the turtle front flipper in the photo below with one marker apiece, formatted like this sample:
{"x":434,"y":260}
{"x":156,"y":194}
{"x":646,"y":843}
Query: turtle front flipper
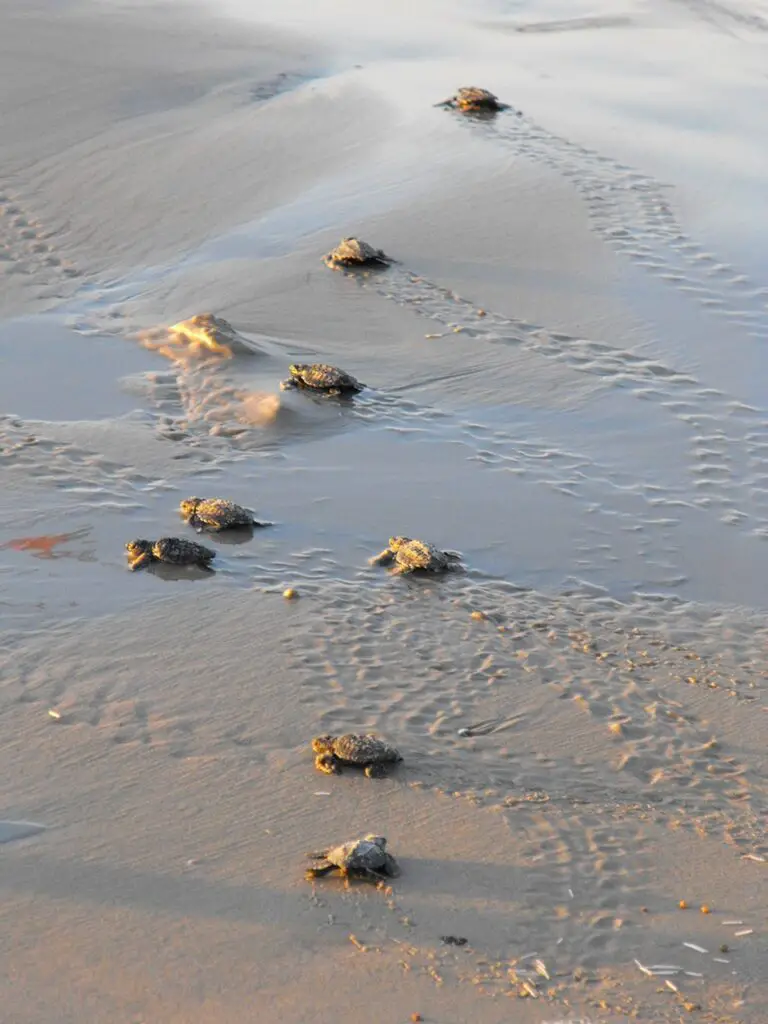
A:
{"x":140,"y":561}
{"x":377,"y":770}
{"x":371,"y":876}
{"x":384,"y":558}
{"x":390,"y":866}
{"x":400,"y":569}
{"x":318,"y":870}
{"x":328,"y":763}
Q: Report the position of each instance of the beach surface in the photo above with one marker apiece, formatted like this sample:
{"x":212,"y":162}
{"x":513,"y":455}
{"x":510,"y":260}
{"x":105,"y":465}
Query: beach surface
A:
{"x":565,"y":374}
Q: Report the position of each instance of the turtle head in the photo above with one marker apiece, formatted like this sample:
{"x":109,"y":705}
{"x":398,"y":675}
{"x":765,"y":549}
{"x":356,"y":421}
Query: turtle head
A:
{"x":323,"y":744}
{"x":379,"y":841}
{"x":138,"y":547}
{"x":395,"y":543}
{"x":139,"y":553}
{"x":297,"y":369}
{"x":188,"y":507}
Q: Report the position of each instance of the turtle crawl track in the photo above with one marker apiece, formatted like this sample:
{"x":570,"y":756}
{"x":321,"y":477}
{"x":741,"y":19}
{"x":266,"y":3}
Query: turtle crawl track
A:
{"x":630,"y":211}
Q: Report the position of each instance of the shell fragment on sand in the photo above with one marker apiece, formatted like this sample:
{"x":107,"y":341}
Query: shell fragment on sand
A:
{"x":692,"y":945}
{"x":744,"y":931}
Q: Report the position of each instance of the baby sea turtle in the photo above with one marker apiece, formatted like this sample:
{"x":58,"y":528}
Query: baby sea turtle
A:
{"x":361,"y":751}
{"x":361,"y":858}
{"x":353,"y":252}
{"x":321,"y":377}
{"x":172,"y":550}
{"x":411,"y":555}
{"x":474,"y":100}
{"x":216,"y":514}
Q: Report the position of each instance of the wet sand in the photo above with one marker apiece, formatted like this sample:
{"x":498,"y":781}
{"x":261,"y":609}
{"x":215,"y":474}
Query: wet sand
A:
{"x":564,"y":374}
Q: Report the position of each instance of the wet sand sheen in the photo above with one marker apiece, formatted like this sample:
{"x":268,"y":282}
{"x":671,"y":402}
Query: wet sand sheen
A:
{"x":580,"y":712}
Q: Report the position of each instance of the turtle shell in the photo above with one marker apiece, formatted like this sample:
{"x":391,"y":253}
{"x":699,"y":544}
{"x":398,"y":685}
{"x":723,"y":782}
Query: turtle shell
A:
{"x":366,"y":854}
{"x":473,"y":98}
{"x":177,"y":551}
{"x":363,"y":749}
{"x":323,"y":377}
{"x":216,"y":513}
{"x":418,"y":554}
{"x":353,"y":251}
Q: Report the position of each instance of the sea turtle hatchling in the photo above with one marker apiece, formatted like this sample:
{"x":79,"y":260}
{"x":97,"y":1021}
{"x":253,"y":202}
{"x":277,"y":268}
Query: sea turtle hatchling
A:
{"x":321,"y":377}
{"x":353,"y":252}
{"x":362,"y":858}
{"x":366,"y":751}
{"x":216,"y":514}
{"x":471,"y":99}
{"x":410,"y":555}
{"x":171,"y":550}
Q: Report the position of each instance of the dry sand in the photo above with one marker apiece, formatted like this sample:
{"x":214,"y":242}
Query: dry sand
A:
{"x":565,"y":372}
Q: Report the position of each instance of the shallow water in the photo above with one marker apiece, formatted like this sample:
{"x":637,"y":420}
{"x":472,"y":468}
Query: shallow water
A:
{"x":565,"y":375}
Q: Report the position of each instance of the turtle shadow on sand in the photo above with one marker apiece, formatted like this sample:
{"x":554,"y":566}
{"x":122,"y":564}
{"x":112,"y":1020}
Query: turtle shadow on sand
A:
{"x":175,"y":573}
{"x":236,"y":535}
